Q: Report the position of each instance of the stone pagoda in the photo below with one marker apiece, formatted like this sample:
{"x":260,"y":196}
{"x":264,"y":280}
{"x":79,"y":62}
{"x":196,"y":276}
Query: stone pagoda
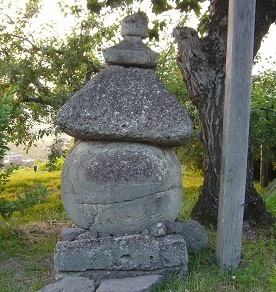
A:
{"x":121,"y":181}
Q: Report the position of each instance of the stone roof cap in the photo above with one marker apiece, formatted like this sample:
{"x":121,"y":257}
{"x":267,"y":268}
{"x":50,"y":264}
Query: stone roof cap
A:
{"x":125,"y":104}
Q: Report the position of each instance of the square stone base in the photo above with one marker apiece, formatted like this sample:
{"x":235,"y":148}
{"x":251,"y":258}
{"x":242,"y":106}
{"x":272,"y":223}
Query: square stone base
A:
{"x":121,"y":257}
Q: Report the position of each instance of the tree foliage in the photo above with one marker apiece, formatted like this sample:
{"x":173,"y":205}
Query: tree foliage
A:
{"x":263,"y":113}
{"x":5,"y":114}
{"x":191,"y":154}
{"x":263,"y":126}
{"x":42,"y":71}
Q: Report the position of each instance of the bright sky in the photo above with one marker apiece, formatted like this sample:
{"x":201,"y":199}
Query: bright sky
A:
{"x":267,"y":51}
{"x":51,"y":13}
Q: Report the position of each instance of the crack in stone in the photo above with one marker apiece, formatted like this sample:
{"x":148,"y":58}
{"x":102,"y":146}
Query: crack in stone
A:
{"x":129,"y":200}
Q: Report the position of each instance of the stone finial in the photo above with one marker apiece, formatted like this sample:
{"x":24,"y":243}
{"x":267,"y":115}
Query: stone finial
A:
{"x":134,"y":25}
{"x":131,"y":51}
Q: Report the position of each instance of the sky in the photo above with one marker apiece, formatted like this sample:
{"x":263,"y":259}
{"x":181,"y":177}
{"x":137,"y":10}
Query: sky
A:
{"x":51,"y":13}
{"x":267,"y":50}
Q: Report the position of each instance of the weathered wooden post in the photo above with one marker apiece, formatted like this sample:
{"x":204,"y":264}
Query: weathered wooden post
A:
{"x":241,"y":18}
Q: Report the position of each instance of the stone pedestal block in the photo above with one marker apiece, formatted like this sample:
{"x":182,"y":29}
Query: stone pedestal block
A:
{"x":133,"y":255}
{"x":119,"y":187}
{"x":134,"y":284}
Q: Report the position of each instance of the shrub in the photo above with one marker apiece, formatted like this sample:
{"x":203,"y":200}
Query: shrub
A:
{"x":32,"y":196}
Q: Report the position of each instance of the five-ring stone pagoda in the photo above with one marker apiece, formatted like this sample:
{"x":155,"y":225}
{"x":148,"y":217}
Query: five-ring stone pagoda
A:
{"x":121,"y":181}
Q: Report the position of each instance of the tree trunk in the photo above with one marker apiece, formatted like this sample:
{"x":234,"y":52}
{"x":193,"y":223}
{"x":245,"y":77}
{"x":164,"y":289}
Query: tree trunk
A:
{"x":263,"y":167}
{"x":202,"y":63}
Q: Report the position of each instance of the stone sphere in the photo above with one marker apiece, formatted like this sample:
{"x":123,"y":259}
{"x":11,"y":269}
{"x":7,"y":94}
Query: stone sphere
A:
{"x":134,"y":25}
{"x":118,"y":187}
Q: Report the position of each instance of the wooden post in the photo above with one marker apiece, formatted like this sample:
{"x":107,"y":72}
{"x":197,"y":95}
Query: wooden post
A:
{"x":239,"y":58}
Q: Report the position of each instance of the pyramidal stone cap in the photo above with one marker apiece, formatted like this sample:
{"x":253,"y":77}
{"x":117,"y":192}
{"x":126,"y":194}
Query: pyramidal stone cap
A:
{"x":131,"y":51}
{"x":125,"y":104}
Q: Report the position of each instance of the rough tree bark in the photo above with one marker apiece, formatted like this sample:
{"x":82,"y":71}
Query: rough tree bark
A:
{"x":202,"y":63}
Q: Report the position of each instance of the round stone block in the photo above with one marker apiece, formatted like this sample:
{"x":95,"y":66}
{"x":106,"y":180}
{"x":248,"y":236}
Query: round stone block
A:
{"x":135,"y":24}
{"x":120,"y":187}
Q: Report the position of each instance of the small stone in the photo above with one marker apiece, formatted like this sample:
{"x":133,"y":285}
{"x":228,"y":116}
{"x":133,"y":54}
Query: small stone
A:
{"x":173,"y":227}
{"x":87,"y":235}
{"x":69,"y":234}
{"x":246,"y":225}
{"x":158,"y":229}
{"x":136,"y":284}
{"x":145,"y":232}
{"x":195,"y":236}
{"x":71,"y":284}
{"x":134,"y":25}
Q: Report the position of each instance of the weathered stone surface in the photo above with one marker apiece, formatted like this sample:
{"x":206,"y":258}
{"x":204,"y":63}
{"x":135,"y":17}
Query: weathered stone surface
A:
{"x":173,"y":226}
{"x":71,"y":284}
{"x":129,"y":104}
{"x":134,"y":25}
{"x":132,"y":51}
{"x":157,"y":229}
{"x":195,"y":236}
{"x":99,"y":275}
{"x":134,"y":252}
{"x":69,"y":234}
{"x":118,"y":187}
{"x":88,"y":234}
{"x":135,"y":284}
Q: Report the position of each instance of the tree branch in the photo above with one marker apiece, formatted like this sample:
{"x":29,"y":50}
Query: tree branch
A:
{"x":217,"y":24}
{"x":265,"y":16}
{"x":35,"y":47}
{"x":91,"y":68}
{"x":192,"y":61}
{"x":36,"y":100}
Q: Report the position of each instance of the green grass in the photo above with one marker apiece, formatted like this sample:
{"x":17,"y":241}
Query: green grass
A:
{"x":192,"y":181}
{"x":51,"y":209}
{"x":257,"y":270}
{"x":27,"y":241}
{"x":27,"y":244}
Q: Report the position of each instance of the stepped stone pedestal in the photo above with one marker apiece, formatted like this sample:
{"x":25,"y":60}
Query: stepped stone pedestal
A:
{"x":121,"y":180}
{"x":120,"y":257}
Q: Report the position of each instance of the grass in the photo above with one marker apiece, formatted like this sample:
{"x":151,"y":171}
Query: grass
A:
{"x":256,"y":272}
{"x":51,"y":209}
{"x":27,"y":244}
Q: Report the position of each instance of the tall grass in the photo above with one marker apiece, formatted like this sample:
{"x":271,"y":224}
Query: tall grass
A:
{"x":27,"y":244}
